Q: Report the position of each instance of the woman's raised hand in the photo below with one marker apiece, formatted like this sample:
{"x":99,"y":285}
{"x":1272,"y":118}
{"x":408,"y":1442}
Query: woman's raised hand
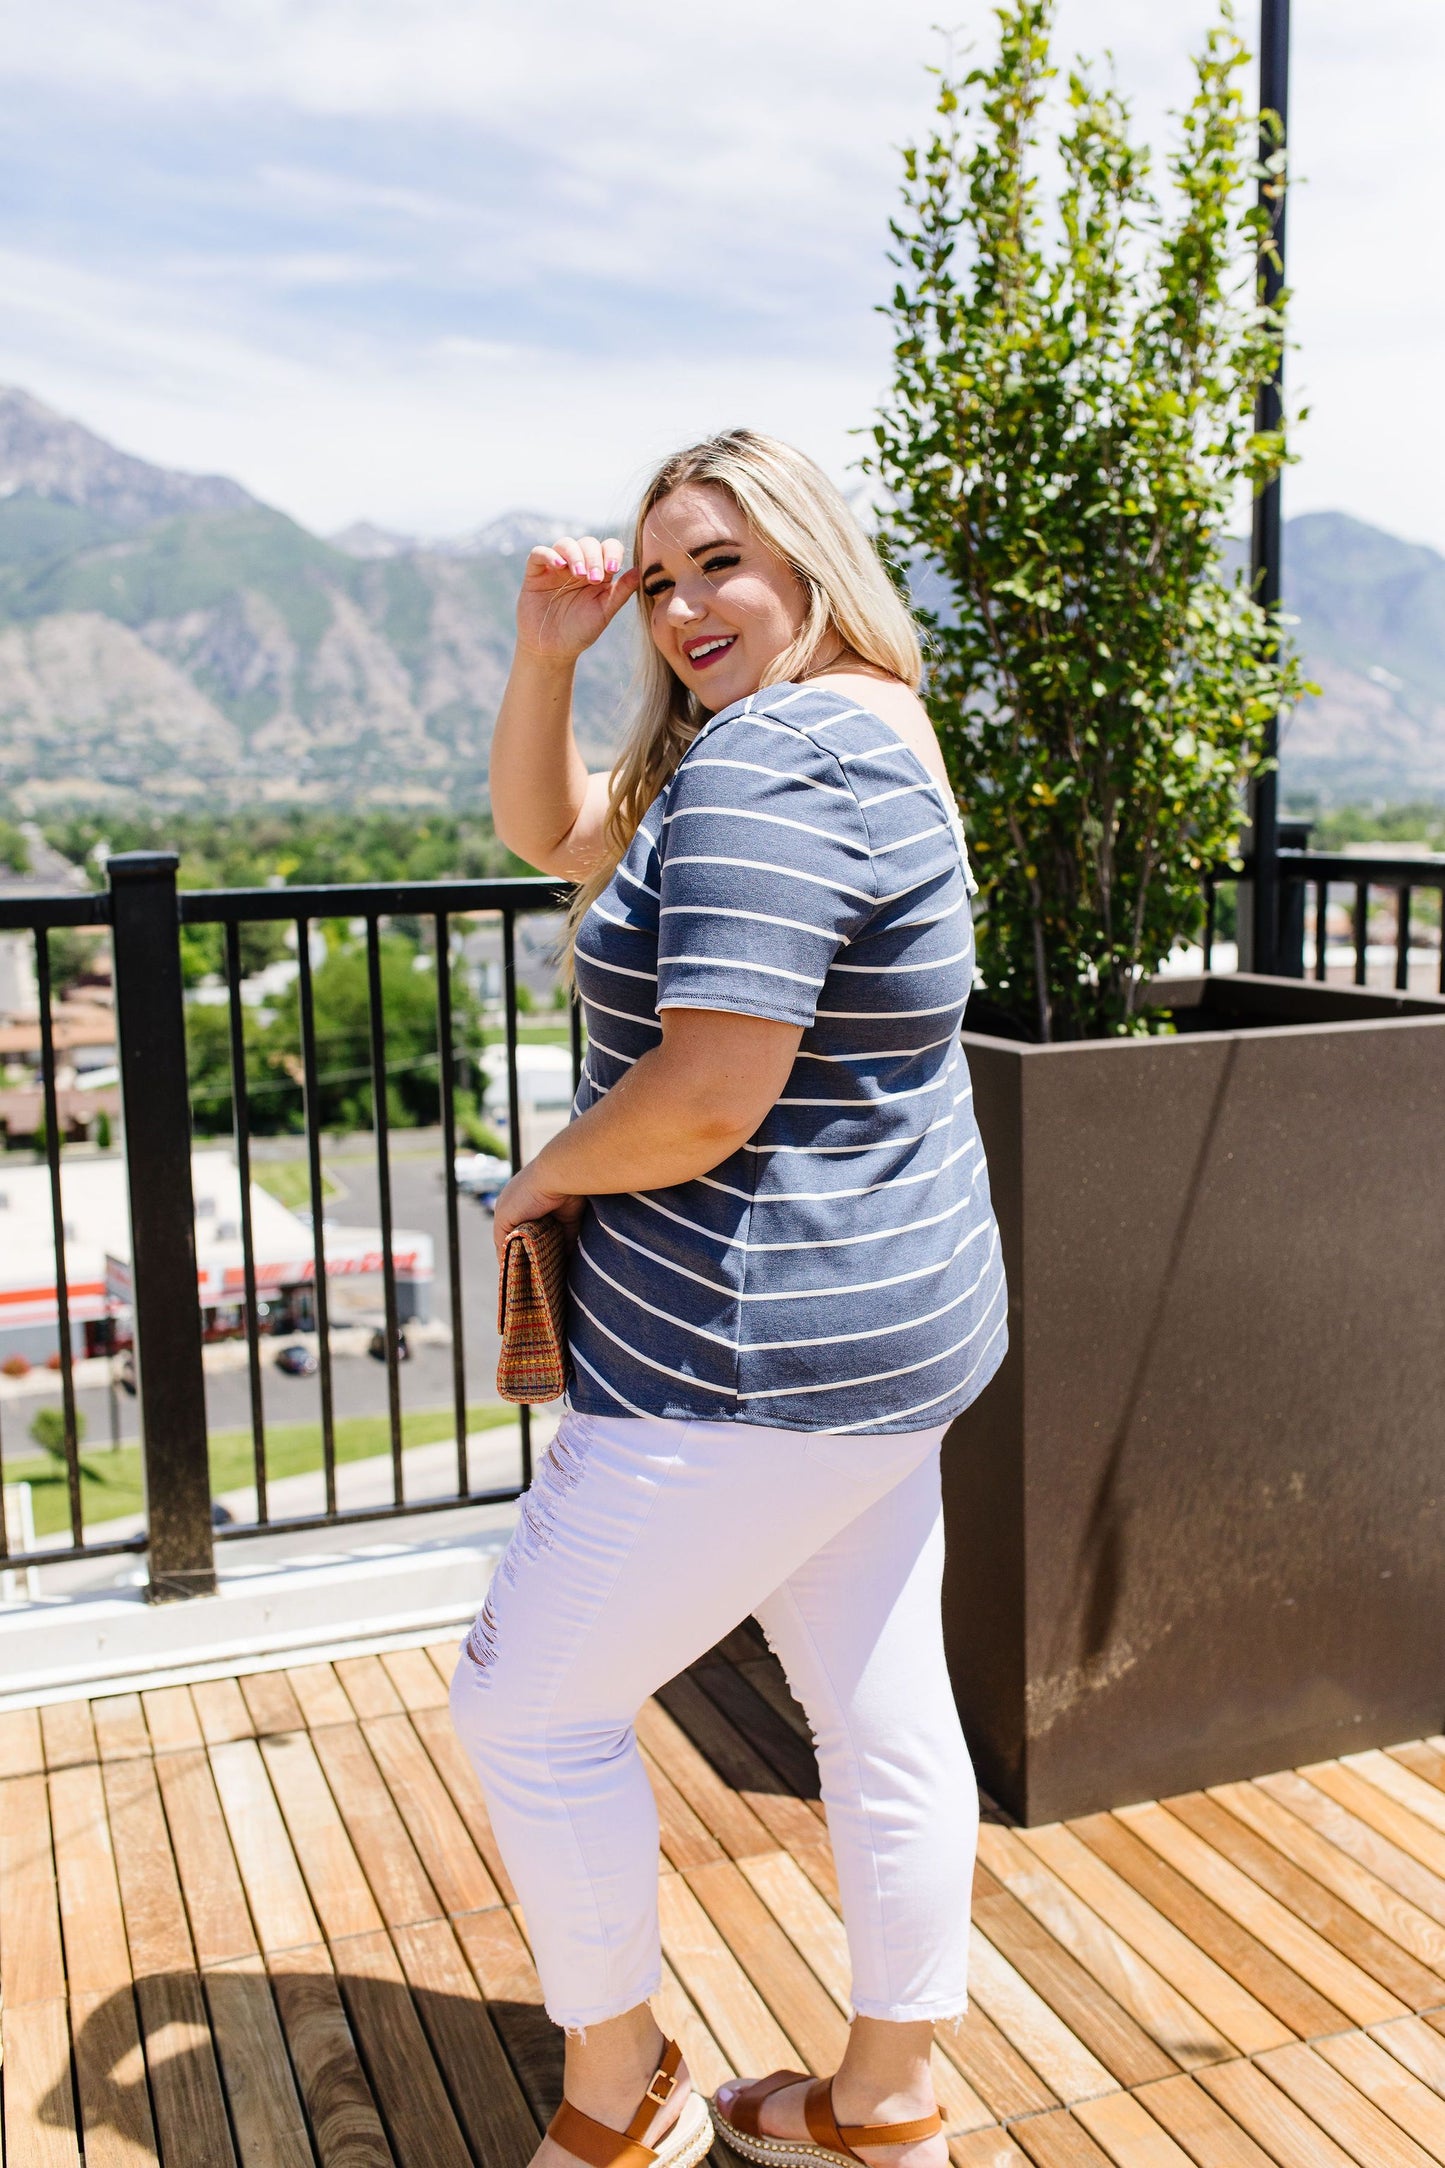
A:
{"x":571,"y":591}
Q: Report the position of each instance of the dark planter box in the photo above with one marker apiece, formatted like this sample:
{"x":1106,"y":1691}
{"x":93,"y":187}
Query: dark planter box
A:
{"x":1195,"y":1525}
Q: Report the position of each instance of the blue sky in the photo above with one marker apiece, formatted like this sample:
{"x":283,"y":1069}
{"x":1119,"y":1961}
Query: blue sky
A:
{"x":423,"y":260}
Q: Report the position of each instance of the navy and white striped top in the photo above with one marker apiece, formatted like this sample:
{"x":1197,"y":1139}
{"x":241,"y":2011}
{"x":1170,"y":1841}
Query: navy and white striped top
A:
{"x":841,"y":1271}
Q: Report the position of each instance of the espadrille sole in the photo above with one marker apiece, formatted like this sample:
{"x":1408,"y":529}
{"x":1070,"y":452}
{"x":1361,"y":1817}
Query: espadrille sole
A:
{"x":690,"y":2138}
{"x":778,"y":2152}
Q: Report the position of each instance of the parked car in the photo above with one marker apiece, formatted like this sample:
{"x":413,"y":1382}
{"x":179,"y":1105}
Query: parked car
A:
{"x":482,"y":1175}
{"x":297,"y":1360}
{"x":377,"y":1346}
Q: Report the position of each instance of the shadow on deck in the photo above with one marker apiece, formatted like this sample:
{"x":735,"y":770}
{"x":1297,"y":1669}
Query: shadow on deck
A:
{"x":263,"y":1920}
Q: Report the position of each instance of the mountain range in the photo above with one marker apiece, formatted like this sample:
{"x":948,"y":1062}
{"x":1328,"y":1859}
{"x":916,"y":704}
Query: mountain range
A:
{"x":167,"y":636}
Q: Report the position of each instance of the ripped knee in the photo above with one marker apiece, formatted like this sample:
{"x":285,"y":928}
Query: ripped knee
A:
{"x":533,"y":1537}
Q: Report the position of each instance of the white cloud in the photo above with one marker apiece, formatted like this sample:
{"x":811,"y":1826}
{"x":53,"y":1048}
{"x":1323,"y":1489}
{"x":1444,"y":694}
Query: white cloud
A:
{"x":483,"y":251}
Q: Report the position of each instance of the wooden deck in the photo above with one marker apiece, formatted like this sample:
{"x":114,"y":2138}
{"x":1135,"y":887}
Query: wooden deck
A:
{"x":263,"y":1921}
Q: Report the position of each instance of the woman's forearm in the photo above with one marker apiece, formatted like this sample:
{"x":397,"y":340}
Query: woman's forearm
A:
{"x":538,"y":782}
{"x":679,"y":1111}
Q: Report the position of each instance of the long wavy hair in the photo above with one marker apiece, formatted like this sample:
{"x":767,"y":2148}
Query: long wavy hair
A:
{"x":852,"y":608}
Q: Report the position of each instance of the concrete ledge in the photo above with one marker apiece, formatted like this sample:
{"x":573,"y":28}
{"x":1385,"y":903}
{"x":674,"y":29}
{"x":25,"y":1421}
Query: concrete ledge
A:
{"x":263,"y":1616}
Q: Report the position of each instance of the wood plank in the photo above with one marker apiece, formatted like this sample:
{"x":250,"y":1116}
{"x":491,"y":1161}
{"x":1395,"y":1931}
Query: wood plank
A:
{"x":493,"y":1946}
{"x":266,"y":2112}
{"x":210,"y":1881}
{"x":120,"y":1727}
{"x":805,"y":2011}
{"x":171,"y":1718}
{"x":992,"y":2066}
{"x":489,"y":2103}
{"x":685,"y":1842}
{"x":992,"y":2148}
{"x":388,"y":1857}
{"x":39,"y":2099}
{"x":30,"y":1951}
{"x":1267,"y":2115}
{"x":110,"y":2078}
{"x":1046,"y":2043}
{"x":345,"y":2125}
{"x":452,"y":1863}
{"x":1129,"y":2134}
{"x":817,"y":1933}
{"x":789,"y":1820}
{"x":1415,"y":2106}
{"x":1208,"y":2135}
{"x":678,"y":2016}
{"x":97,"y":1956}
{"x":186,"y":2095}
{"x":1257,"y":1969}
{"x":1374,"y":1805}
{"x":275,"y":1886}
{"x":415,"y":1678}
{"x":1057,"y":2141}
{"x":731,"y":2006}
{"x":766,"y":1677}
{"x":1401,"y":1922}
{"x":1355,"y":2123}
{"x":366,"y":1685}
{"x":1418,"y":2046}
{"x":792,"y":1759}
{"x":448,"y":1756}
{"x":445,"y":1656}
{"x":221,"y":1711}
{"x":1339,"y":1826}
{"x":1231,"y":2008}
{"x":319,"y":1692}
{"x":1345,"y":1985}
{"x":1371,"y":1952}
{"x":1399,"y":1782}
{"x":155,"y":1916}
{"x":21,"y":1753}
{"x":1183,"y":2032}
{"x":1425,"y":1757}
{"x":409,"y":2090}
{"x":334,"y":1876}
{"x":1090,"y":2013}
{"x":271,"y":1702}
{"x":67,"y":1734}
{"x":725,"y":1815}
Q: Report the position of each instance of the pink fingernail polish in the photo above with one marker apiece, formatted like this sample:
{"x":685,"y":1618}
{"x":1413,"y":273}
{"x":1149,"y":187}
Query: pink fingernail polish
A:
{"x":595,"y":573}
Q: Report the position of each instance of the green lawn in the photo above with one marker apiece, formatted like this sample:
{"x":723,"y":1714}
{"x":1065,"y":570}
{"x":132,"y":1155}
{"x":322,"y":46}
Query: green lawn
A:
{"x":289,"y":1181}
{"x":111,"y":1481}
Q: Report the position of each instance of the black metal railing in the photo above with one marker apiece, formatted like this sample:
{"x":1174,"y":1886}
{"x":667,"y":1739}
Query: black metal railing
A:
{"x":145,"y":914}
{"x":146,"y":917}
{"x":40,"y":917}
{"x":1307,"y":881}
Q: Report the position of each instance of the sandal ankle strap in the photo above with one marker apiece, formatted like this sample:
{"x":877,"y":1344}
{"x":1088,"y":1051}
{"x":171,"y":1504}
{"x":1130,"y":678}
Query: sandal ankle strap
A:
{"x":825,"y":2130}
{"x":598,"y":2144}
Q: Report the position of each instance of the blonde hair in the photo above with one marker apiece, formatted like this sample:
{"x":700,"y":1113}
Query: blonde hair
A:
{"x":791,"y":505}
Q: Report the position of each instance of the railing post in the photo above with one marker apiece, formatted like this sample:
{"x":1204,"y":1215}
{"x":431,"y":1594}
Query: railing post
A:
{"x":155,"y":1102}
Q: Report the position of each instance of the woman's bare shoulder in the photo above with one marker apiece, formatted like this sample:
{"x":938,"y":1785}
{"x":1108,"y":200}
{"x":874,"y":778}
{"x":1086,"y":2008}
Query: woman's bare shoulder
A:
{"x":895,"y":704}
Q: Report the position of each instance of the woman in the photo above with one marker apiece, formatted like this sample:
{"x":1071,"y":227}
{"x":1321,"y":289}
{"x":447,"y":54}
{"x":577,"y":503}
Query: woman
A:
{"x":786,"y":1283}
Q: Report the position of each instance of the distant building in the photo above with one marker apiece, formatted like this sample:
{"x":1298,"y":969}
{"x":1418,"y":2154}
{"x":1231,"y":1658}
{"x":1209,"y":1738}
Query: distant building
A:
{"x":98,"y":1258}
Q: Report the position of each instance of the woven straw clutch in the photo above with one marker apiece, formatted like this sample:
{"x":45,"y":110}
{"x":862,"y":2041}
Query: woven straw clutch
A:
{"x":532,"y":1312}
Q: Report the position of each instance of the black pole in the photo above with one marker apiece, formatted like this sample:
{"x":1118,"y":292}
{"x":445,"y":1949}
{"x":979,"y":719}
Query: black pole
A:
{"x":1267,"y":551}
{"x":156,"y":1108}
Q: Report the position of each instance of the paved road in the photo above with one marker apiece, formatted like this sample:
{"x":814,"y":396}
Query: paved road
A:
{"x":359,"y":1383}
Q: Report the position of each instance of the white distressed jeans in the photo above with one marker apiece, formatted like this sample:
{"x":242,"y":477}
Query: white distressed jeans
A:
{"x":640,"y":1544}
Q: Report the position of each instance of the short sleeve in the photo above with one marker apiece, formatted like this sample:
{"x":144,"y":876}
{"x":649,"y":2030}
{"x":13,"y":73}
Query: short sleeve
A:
{"x":766,"y":873}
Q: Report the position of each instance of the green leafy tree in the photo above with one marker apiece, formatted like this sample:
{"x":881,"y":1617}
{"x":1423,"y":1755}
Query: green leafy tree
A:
{"x":1067,"y":435}
{"x":47,"y":1429}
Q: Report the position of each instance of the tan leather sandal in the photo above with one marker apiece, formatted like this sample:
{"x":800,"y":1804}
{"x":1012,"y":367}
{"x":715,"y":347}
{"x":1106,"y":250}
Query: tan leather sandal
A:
{"x":602,"y":2147}
{"x":738,"y":2123}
